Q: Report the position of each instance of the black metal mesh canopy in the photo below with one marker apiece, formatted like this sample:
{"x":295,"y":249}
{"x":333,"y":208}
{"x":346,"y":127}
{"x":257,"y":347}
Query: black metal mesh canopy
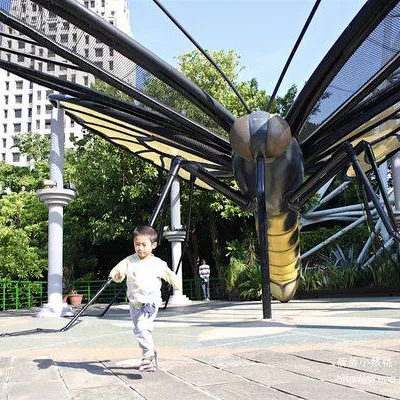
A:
{"x":360,"y":89}
{"x":353,"y":95}
{"x":94,"y":45}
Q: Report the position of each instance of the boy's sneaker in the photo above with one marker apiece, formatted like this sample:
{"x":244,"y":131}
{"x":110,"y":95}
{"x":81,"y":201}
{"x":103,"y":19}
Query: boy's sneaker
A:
{"x":148,"y":365}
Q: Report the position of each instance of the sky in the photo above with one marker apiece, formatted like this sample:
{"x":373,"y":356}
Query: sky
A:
{"x":262,"y":32}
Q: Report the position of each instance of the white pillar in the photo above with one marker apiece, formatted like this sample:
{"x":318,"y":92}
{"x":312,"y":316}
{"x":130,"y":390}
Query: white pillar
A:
{"x":176,"y":236}
{"x":396,"y":180}
{"x":55,"y":197}
{"x":55,"y":251}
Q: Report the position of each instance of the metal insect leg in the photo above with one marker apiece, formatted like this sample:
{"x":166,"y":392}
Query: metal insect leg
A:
{"x":371,"y":156}
{"x":369,"y":189}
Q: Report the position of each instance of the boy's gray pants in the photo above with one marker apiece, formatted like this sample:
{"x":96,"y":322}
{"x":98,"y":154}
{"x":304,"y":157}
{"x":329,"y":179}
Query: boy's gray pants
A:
{"x":142,"y":328}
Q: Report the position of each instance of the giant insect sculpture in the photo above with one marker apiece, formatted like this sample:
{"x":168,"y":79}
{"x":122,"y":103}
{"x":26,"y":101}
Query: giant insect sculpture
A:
{"x":344,"y":119}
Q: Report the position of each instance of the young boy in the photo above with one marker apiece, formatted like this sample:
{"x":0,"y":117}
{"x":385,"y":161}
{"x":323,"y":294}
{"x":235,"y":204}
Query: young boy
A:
{"x":144,"y":272}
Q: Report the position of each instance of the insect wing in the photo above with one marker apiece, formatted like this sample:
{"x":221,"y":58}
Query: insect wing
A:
{"x":354,"y":94}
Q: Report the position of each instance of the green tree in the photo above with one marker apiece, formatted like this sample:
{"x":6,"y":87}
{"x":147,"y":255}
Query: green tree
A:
{"x":115,"y":192}
{"x":23,"y":236}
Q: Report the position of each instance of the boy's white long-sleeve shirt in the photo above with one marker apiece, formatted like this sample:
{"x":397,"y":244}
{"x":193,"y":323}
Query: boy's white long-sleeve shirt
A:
{"x":144,"y":278}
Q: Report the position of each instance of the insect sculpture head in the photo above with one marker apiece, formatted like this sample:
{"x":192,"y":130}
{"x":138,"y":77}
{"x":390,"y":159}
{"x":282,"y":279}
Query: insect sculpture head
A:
{"x":260,"y":133}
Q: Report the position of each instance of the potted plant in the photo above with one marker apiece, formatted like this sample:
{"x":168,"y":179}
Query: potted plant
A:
{"x":75,"y":298}
{"x":71,"y":295}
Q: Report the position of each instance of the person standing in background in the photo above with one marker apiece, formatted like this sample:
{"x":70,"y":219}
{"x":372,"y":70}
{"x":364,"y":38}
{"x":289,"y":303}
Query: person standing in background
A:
{"x":204,"y":272}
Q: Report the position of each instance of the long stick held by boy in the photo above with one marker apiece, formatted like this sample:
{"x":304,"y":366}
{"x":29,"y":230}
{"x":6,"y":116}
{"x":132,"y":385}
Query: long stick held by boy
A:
{"x":144,"y":272}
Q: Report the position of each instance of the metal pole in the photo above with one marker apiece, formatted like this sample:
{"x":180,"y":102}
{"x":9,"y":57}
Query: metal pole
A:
{"x":263,"y":239}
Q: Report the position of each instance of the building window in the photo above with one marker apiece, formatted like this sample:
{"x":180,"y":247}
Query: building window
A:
{"x":86,"y":4}
{"x":5,"y":99}
{"x":32,"y":49}
{"x":85,"y":80}
{"x":111,"y":65}
{"x":66,"y":25}
{"x":50,"y":67}
{"x":29,"y":127}
{"x":98,"y":52}
{"x":92,"y":3}
{"x":73,"y":78}
{"x":17,"y":128}
{"x":7,"y":85}
{"x":18,"y":113}
{"x":87,"y":39}
{"x":50,"y":54}
{"x":21,"y":45}
{"x":64,"y":38}
{"x":40,"y":67}
{"x":39,"y":95}
{"x":15,"y":157}
{"x":87,"y":53}
{"x":98,"y":64}
{"x":63,"y":68}
{"x":30,"y":98}
{"x":111,"y":51}
{"x":49,"y":108}
{"x":29,"y":112}
{"x":19,"y":84}
{"x":37,"y":109}
{"x":8,"y":57}
{"x":72,"y":123}
{"x":20,"y":58}
{"x":18,"y":98}
{"x":31,"y":85}
{"x":4,"y":142}
{"x":41,"y":52}
{"x":5,"y":113}
{"x":47,"y":124}
{"x":3,"y":156}
{"x":37,"y":124}
{"x":5,"y":131}
{"x":103,"y":3}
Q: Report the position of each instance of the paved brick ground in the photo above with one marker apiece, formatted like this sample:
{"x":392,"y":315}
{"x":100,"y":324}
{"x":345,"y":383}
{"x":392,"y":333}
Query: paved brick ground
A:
{"x":310,"y":349}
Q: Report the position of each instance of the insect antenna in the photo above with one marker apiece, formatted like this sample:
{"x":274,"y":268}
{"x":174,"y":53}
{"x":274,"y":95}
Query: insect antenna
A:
{"x":205,"y":54}
{"x":292,"y":53}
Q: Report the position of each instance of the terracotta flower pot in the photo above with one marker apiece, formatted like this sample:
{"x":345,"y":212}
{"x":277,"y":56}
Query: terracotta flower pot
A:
{"x":75,"y":299}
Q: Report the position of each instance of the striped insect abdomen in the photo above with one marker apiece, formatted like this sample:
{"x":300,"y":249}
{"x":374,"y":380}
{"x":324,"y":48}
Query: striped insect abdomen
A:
{"x":284,"y":255}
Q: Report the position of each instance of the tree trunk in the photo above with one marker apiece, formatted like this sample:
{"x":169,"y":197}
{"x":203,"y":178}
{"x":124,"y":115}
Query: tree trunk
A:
{"x":215,"y":243}
{"x":192,"y":253}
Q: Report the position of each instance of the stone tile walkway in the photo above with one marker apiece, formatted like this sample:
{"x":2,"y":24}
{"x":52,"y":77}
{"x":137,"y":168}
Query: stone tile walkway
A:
{"x":310,"y":349}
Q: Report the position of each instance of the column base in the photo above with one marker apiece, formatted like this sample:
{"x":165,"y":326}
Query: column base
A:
{"x":48,"y":311}
{"x":179,"y":300}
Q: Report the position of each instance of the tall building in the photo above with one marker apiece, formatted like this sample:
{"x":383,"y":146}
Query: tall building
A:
{"x":24,"y":106}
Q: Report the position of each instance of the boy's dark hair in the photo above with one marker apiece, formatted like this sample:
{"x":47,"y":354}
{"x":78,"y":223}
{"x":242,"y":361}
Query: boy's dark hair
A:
{"x":146,"y":230}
